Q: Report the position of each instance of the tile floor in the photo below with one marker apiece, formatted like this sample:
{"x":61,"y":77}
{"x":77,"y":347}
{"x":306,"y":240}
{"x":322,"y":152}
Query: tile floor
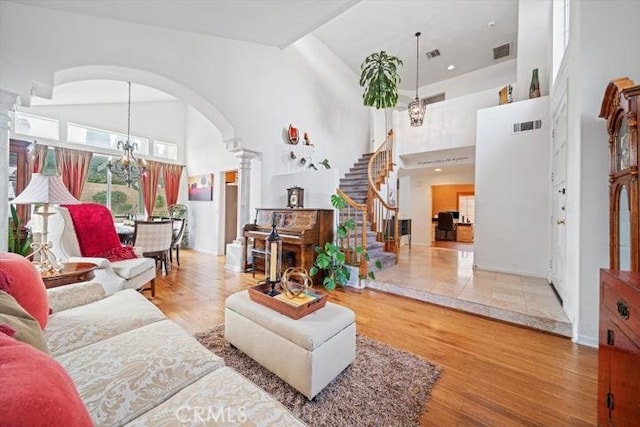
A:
{"x":446,"y":277}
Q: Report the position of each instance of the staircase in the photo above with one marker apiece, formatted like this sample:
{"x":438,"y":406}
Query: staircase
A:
{"x":355,"y":184}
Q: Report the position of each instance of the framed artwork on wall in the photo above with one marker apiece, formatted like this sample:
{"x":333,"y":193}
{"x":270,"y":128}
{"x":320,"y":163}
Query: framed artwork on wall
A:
{"x":201,"y":187}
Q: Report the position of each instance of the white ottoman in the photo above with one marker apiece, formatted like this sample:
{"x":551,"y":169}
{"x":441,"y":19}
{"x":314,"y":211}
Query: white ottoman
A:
{"x":307,"y":353}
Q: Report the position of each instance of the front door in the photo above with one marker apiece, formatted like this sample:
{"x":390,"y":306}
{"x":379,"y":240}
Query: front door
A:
{"x":559,"y":196}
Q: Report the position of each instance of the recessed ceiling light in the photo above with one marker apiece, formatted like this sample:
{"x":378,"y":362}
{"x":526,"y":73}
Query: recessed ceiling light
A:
{"x":451,"y":67}
{"x":491,"y":24}
{"x":438,"y":170}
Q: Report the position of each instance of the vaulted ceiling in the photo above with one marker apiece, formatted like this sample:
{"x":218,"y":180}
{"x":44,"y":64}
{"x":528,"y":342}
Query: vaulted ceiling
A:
{"x":464,"y":31}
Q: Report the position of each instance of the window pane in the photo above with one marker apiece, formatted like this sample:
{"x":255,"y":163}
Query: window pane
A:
{"x":123,"y":199}
{"x":466,"y":206}
{"x":103,"y":138}
{"x":166,"y":150}
{"x":27,"y":124}
{"x":160,"y":207}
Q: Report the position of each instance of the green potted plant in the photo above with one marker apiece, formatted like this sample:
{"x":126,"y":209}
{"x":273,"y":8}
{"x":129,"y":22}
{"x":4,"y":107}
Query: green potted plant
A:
{"x":380,"y":78}
{"x":19,"y":238}
{"x":332,"y":259}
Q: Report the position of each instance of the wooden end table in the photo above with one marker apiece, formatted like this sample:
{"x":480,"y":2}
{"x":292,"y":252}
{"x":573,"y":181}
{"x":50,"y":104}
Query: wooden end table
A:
{"x":72,"y":272}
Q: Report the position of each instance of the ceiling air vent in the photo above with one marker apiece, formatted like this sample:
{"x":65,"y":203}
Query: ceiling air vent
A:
{"x":433,"y":53}
{"x":527,"y":126}
{"x":502,"y":51}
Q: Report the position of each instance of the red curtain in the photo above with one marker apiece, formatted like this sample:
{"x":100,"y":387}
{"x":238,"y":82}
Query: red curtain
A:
{"x":149,"y":184}
{"x":39,"y":155}
{"x":73,"y":166}
{"x":172,"y":175}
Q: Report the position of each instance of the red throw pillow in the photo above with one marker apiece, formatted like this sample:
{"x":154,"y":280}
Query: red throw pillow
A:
{"x":36,"y":390}
{"x":25,"y":285}
{"x":96,"y":232}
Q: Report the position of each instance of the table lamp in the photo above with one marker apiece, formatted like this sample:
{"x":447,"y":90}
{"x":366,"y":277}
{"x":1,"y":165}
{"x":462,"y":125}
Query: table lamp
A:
{"x":45,"y":189}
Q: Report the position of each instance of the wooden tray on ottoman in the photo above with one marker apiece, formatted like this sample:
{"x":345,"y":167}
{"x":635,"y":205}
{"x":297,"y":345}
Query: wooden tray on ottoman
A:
{"x":259,"y":294}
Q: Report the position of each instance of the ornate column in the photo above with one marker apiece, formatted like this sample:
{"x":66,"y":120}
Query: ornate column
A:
{"x":7,"y":102}
{"x":236,"y":249}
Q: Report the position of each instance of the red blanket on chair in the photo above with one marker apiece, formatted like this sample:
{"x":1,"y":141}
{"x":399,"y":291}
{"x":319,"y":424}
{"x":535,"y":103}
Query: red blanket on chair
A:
{"x":96,"y":232}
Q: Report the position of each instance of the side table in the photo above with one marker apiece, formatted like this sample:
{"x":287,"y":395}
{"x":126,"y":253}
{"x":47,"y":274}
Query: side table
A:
{"x":72,"y":272}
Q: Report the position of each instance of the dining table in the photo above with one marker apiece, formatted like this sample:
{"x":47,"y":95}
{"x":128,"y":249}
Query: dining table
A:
{"x":125,"y":233}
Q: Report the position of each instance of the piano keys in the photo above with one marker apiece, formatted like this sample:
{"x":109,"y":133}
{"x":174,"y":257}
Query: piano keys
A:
{"x":301,"y":230}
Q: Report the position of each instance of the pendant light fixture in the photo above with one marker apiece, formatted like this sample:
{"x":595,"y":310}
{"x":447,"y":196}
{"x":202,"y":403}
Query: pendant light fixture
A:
{"x":128,"y":167}
{"x":416,"y":109}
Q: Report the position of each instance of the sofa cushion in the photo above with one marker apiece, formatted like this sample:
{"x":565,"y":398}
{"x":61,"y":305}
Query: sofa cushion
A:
{"x":36,"y":390}
{"x":132,"y":267}
{"x":87,"y":324}
{"x":125,"y":376}
{"x":65,"y":297}
{"x":223,"y":397}
{"x":26,"y":286}
{"x":27,"y":329}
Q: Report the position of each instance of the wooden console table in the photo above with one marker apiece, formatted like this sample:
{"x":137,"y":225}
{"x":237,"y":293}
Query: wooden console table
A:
{"x":72,"y":272}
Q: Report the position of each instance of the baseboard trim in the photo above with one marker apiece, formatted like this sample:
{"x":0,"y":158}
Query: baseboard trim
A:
{"x":587,"y":340}
{"x":508,"y":271}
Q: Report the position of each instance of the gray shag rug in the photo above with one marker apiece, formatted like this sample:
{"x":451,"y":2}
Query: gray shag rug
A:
{"x":382,"y":387}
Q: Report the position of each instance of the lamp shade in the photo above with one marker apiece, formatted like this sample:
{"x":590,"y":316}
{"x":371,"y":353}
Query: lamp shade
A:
{"x":45,"y":189}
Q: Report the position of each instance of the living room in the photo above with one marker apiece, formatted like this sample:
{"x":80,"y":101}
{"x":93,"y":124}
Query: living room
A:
{"x":228,"y":82}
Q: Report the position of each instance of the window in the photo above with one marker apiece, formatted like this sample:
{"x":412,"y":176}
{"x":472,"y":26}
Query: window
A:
{"x":30,"y":125}
{"x":467,"y":207}
{"x":160,"y":206}
{"x":560,"y":33}
{"x":165,"y":150}
{"x":103,"y":138}
{"x":109,"y":190}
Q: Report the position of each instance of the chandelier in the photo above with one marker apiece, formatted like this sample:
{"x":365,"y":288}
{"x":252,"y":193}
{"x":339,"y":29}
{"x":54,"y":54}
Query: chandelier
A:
{"x":415,"y":108}
{"x":128,"y":167}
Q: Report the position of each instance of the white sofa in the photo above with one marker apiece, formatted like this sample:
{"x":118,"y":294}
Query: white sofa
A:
{"x":114,"y":276}
{"x":133,"y":366}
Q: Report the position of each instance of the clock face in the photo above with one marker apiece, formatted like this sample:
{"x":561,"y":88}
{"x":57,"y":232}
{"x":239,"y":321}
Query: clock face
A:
{"x":622,"y":146}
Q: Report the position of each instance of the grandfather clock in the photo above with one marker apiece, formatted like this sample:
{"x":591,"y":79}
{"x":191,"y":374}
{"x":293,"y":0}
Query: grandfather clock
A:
{"x":620,"y":110}
{"x":619,"y":321}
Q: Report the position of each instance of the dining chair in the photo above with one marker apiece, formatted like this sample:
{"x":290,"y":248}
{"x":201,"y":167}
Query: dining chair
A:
{"x":179,"y":227}
{"x":180,"y":214}
{"x":154,"y":239}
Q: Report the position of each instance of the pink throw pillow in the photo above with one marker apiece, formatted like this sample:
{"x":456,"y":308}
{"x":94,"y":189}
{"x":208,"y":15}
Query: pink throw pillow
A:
{"x":36,"y":390}
{"x":25,"y":285}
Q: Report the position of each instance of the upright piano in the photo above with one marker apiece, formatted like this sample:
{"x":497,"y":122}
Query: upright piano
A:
{"x":301,"y":230}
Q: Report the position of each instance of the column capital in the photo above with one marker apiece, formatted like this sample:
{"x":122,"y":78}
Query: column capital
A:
{"x":8,"y":101}
{"x":233,"y":144}
{"x":245,"y":154}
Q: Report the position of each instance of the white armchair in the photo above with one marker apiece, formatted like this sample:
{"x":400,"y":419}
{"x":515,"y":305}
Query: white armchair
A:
{"x":113,"y":275}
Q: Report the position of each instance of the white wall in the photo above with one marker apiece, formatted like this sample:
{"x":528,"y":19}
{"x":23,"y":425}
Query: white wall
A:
{"x":153,"y":120}
{"x":318,"y":187}
{"x":597,"y":54}
{"x":534,"y":45}
{"x":447,"y":124}
{"x":205,"y":153}
{"x":498,"y":75}
{"x":512,"y":231}
{"x":415,"y":198}
{"x":250,"y":92}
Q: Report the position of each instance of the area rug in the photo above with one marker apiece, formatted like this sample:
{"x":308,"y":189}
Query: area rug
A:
{"x":382,"y":387}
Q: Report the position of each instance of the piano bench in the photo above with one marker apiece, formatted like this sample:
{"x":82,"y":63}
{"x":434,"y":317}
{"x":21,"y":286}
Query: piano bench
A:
{"x":288,"y":258}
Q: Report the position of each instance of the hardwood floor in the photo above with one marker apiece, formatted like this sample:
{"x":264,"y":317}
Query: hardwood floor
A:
{"x":495,"y":374}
